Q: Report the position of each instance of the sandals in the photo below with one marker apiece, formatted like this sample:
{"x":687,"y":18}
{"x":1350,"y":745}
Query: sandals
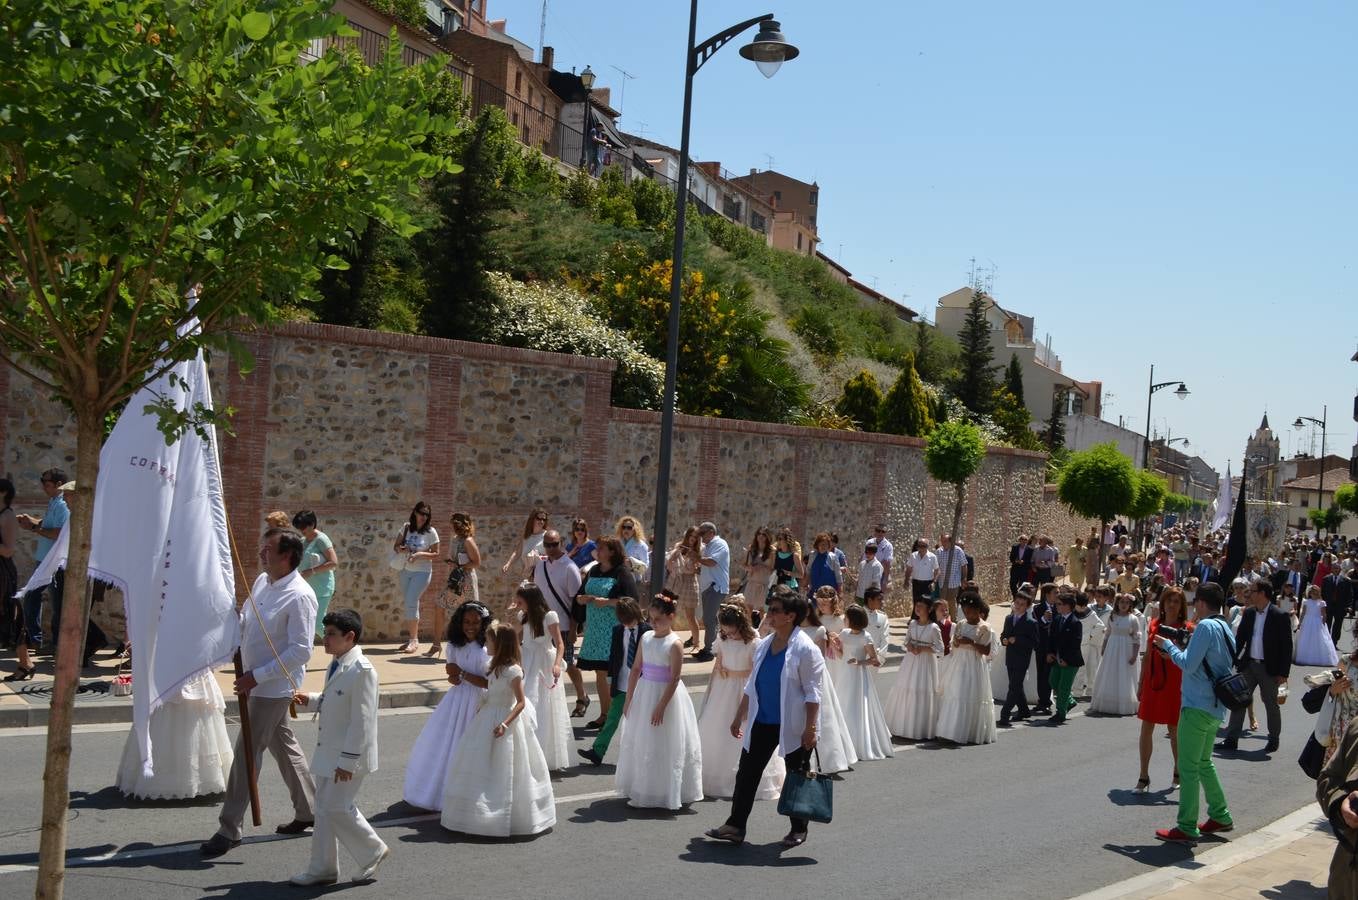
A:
{"x":597,"y":723}
{"x":1143,"y":785}
{"x":1175,"y":783}
{"x":794,"y":839}
{"x":580,"y":707}
{"x":729,"y":835}
{"x":434,"y":650}
{"x":21,"y":674}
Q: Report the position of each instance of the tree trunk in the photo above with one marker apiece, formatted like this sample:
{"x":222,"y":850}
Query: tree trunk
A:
{"x":76,"y":612}
{"x":956,"y":524}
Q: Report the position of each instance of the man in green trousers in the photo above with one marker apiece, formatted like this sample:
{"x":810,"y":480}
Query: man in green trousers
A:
{"x":1063,"y":653}
{"x":1210,"y":655}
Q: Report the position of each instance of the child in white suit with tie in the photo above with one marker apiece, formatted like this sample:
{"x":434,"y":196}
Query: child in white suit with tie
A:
{"x":346,"y":750}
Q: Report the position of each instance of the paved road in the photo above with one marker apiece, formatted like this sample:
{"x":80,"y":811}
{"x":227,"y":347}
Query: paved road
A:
{"x":1045,"y":812}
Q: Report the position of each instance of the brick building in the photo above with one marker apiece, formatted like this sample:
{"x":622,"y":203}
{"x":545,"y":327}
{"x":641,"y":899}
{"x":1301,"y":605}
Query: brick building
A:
{"x":506,"y":76}
{"x":795,"y":205}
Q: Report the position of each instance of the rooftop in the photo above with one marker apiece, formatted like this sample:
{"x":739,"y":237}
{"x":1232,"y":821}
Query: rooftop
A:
{"x":1333,"y":479}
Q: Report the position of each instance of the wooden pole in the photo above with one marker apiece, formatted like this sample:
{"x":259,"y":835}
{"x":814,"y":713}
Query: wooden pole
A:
{"x":247,"y":747}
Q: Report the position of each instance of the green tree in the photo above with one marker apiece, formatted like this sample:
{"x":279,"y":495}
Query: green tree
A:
{"x":1346,"y":498}
{"x":1054,"y":436}
{"x":1149,"y":498}
{"x":1013,"y":377}
{"x":1327,"y":519}
{"x":905,"y":409}
{"x":861,"y":401}
{"x":150,"y":146}
{"x":1178,"y":503}
{"x":953,"y":455}
{"x":1012,"y":418}
{"x":1098,"y":483}
{"x":924,"y":346}
{"x":975,"y":385}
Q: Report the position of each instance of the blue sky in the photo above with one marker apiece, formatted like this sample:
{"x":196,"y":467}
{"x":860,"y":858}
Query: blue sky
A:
{"x":1161,"y":182}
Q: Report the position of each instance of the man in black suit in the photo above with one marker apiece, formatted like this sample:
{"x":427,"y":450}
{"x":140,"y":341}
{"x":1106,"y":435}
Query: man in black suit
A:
{"x":1019,"y":638}
{"x":622,"y":653}
{"x":1206,"y":570}
{"x":1042,"y":616}
{"x":1263,"y":654}
{"x":1020,"y":562}
{"x":1336,"y":589}
{"x":1063,"y":654}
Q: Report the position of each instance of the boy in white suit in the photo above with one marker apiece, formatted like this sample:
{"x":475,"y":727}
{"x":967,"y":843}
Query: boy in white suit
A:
{"x":346,"y":750}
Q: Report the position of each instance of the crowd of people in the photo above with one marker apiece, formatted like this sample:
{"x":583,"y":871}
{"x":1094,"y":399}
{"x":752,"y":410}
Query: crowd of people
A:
{"x":1139,"y":626}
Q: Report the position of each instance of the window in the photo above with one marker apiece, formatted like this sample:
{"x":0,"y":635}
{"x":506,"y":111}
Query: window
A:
{"x":518,"y":82}
{"x":799,"y":240}
{"x":514,"y":117}
{"x":757,"y":222}
{"x":777,"y":197}
{"x":1077,"y":405}
{"x":1301,"y":523}
{"x":1305,"y":502}
{"x":812,"y":221}
{"x":815,"y":195}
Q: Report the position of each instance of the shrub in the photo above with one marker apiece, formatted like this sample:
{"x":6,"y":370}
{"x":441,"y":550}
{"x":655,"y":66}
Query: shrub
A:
{"x":653,"y":204}
{"x":905,"y":409}
{"x":819,"y":330}
{"x":861,"y":401}
{"x":558,"y":319}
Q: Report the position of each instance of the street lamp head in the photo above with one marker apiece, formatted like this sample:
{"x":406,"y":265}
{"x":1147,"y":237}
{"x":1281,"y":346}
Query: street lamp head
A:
{"x":769,"y":49}
{"x":587,"y":79}
{"x":1182,"y":391}
{"x":1299,"y":424}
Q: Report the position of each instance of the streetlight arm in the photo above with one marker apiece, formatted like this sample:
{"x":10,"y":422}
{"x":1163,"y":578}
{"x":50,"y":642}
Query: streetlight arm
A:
{"x":1163,"y":384}
{"x":704,"y":51}
{"x":1320,"y":422}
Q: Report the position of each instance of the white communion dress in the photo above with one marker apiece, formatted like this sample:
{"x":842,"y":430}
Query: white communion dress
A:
{"x":190,"y":749}
{"x":966,"y":712}
{"x":834,"y":745}
{"x":721,"y":751}
{"x":499,"y":786}
{"x":547,"y":694}
{"x":659,"y":766}
{"x":1116,"y":681}
{"x":1315,"y":647}
{"x":857,"y":691}
{"x":911,"y":708}
{"x":433,"y":749}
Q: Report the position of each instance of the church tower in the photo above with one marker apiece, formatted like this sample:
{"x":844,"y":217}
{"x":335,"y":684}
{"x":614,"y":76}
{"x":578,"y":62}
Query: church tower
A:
{"x":1263,"y":451}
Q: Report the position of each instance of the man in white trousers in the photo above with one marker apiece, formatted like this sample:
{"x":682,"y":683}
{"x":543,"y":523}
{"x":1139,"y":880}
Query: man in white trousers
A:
{"x":346,"y":750}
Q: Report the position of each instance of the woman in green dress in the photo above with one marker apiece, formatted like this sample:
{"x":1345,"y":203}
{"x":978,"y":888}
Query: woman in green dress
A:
{"x":607,"y":582}
{"x":319,"y":562}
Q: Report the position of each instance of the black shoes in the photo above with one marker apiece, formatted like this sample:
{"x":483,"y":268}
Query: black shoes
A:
{"x":1227,"y":746}
{"x":590,"y":756}
{"x":216,"y":845}
{"x":703,"y":656}
{"x":296,"y":826}
{"x":1271,"y":746}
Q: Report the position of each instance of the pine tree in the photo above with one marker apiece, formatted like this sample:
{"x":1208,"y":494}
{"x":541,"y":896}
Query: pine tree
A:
{"x":1055,"y":434}
{"x":975,"y":385}
{"x":905,"y":409}
{"x":1013,"y":377}
{"x":924,"y":341}
{"x":861,"y":401}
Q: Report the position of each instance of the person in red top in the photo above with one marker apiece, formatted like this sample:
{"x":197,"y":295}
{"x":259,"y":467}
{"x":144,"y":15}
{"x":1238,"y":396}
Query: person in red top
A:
{"x":1161,"y":683}
{"x":1323,"y":568}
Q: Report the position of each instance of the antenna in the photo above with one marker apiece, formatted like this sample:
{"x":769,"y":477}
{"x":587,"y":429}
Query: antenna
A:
{"x":641,"y":129}
{"x":542,"y":31}
{"x":769,"y":158}
{"x":981,"y":278}
{"x":622,"y":94}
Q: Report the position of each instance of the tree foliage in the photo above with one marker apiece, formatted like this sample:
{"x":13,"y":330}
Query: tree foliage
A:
{"x":954,"y":452}
{"x":1346,"y":498}
{"x":1098,"y":483}
{"x":148,"y":147}
{"x":1013,"y":418}
{"x":1013,"y":377}
{"x":1149,"y":499}
{"x":861,"y":401}
{"x":905,"y":408}
{"x":1327,"y":519}
{"x":1177,"y":503}
{"x":1054,"y":436}
{"x":975,"y":384}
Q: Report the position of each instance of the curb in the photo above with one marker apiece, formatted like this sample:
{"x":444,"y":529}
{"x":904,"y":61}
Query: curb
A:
{"x":1201,"y":866}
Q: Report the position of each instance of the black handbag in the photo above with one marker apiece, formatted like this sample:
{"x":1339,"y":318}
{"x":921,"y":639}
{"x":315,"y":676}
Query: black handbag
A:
{"x":1233,"y":690}
{"x":1312,"y":758}
{"x":808,"y":794}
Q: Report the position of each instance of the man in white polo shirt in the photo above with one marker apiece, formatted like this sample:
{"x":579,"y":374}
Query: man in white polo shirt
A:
{"x":921,"y":567}
{"x":559,"y":579}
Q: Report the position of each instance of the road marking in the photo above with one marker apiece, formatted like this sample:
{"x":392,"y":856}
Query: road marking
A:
{"x":117,"y":856}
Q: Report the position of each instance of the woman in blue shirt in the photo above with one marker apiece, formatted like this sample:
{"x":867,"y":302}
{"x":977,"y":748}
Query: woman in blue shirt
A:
{"x":580,"y":548}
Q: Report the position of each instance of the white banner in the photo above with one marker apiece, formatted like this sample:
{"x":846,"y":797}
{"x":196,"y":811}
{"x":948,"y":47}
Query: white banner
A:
{"x":1225,"y":502}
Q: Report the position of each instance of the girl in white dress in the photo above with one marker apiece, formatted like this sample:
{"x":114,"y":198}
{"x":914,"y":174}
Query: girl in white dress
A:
{"x":857,"y":689}
{"x":721,"y":750}
{"x":1315,"y":646}
{"x":1115,"y":684}
{"x":1091,"y":645}
{"x":660,"y":761}
{"x":966,"y":712}
{"x":911,"y":709}
{"x":543,"y":652}
{"x":835,"y":746}
{"x":829,"y":610}
{"x":465,"y":657}
{"x":498,"y":781}
{"x":190,"y":749}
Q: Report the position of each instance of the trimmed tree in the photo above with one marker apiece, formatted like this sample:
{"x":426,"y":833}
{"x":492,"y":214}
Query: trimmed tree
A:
{"x":905,"y":409}
{"x":861,"y":401}
{"x":1327,"y":519}
{"x":953,"y":455}
{"x":975,"y":385}
{"x":1346,"y":498}
{"x":1054,"y":436}
{"x":1098,"y":483}
{"x":151,"y":146}
{"x":1013,"y":419}
{"x":1013,"y":377}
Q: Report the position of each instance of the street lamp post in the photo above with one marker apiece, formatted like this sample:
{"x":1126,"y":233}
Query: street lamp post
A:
{"x":1320,"y":480}
{"x":1181,"y":392}
{"x":768,"y":51}
{"x":586,"y":82}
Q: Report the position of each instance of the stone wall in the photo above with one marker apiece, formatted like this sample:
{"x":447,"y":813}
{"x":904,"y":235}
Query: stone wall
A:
{"x":359,"y":425}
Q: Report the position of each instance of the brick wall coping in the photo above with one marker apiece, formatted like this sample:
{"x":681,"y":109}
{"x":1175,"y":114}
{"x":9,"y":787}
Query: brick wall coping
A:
{"x":415,"y":343}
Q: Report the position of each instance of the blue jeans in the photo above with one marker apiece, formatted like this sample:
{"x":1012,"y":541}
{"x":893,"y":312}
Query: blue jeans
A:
{"x":33,"y":610}
{"x":413,"y":586}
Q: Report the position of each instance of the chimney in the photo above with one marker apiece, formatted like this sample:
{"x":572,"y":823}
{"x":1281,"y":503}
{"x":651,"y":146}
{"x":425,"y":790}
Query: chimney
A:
{"x":548,"y":58}
{"x":754,"y":171}
{"x":497,"y":25}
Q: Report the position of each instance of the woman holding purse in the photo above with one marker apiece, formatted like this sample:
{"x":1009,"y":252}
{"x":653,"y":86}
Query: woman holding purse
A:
{"x":465,"y":559}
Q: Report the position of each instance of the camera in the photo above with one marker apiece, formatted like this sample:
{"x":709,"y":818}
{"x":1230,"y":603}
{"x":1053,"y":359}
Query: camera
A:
{"x":1177,"y":636}
{"x":1323,"y":679}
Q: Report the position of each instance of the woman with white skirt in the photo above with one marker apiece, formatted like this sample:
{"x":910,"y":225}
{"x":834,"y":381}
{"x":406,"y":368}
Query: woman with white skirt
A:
{"x":857,"y":689}
{"x":966,"y":712}
{"x":1115,"y":684}
{"x":911,"y":708}
{"x":835,"y":747}
{"x":721,"y":749}
{"x":543,"y":652}
{"x":190,"y":751}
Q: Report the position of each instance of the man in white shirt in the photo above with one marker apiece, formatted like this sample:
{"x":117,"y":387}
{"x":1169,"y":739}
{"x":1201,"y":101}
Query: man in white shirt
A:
{"x":886,"y":555}
{"x":559,"y":579}
{"x":952,"y":567}
{"x":922,"y":568}
{"x":287,"y":613}
{"x":714,"y":583}
{"x":869,"y":571}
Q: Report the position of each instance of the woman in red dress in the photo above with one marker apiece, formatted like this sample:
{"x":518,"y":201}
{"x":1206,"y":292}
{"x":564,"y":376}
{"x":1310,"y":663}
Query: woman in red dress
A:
{"x":1161,"y":682}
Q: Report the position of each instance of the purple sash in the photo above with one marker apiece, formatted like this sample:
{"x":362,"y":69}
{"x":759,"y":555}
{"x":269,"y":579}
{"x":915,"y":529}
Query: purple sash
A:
{"x":655,"y":672}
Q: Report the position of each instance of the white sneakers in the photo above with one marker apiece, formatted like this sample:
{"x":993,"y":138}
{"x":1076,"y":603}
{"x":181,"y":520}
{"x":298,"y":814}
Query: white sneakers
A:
{"x":306,"y":879}
{"x":369,"y":872}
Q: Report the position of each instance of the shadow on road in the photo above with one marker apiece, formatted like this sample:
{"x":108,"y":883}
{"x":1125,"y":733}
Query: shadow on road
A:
{"x":112,"y":798}
{"x":615,"y":810}
{"x":1294,"y":890}
{"x":702,"y":850}
{"x":433,"y":833}
{"x":1157,"y":855}
{"x":1125,"y":797}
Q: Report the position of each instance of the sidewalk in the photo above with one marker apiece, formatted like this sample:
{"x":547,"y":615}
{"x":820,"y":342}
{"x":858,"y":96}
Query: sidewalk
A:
{"x":1286,"y":860}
